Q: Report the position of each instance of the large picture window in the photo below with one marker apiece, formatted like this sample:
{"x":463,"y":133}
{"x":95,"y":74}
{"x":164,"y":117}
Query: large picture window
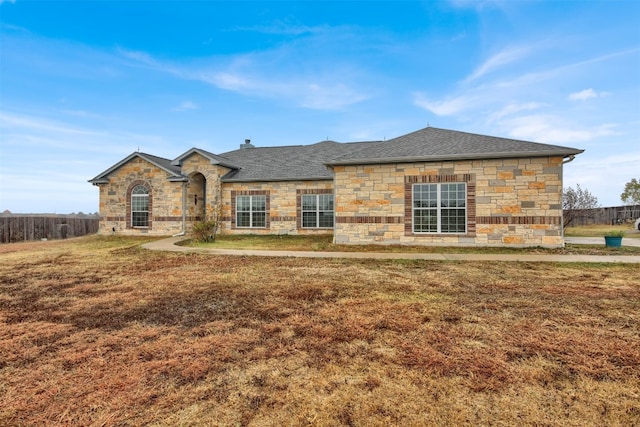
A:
{"x":140,"y":207}
{"x":317,"y":211}
{"x":440,"y":208}
{"x":251,"y":211}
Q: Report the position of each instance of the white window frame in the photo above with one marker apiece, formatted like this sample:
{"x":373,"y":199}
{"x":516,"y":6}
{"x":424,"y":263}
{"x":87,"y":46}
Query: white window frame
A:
{"x":252,"y":210}
{"x":439,"y":208}
{"x":134,"y":206}
{"x":317,"y":211}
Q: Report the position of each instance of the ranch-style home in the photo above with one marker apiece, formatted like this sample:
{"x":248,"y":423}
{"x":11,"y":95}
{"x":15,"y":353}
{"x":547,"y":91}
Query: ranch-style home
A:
{"x":429,"y":187}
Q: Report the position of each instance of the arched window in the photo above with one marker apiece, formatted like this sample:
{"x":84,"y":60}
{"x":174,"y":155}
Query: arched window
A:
{"x":139,"y":207}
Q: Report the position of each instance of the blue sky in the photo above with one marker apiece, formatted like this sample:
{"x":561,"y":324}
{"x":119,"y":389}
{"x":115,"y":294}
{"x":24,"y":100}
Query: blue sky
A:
{"x":84,"y":84}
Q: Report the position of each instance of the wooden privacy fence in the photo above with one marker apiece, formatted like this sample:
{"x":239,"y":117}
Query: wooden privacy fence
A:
{"x":611,"y":216}
{"x":18,"y":228}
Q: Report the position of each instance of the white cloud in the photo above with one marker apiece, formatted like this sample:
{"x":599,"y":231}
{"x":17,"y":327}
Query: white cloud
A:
{"x":583,"y":95}
{"x":497,"y":61}
{"x":13,"y":121}
{"x":261,"y":75}
{"x":319,"y":96}
{"x":590,"y":168}
{"x":551,"y":129}
{"x":285,"y":27}
{"x":512,"y":109}
{"x":41,"y":133}
{"x":186,"y":106}
{"x":138,"y":56}
{"x":446,"y":107}
{"x":586,"y":94}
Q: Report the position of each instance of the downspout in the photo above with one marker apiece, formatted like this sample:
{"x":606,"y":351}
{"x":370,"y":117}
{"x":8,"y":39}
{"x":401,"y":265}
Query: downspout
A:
{"x":333,"y":172}
{"x":564,"y":162}
{"x":184,"y":211}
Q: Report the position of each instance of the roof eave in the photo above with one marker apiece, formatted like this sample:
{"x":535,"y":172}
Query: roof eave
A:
{"x":451,"y":157}
{"x":178,"y":179}
{"x":102,"y":178}
{"x":96,"y":181}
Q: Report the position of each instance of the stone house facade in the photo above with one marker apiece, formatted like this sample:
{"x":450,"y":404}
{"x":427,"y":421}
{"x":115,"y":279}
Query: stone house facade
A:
{"x":429,"y":187}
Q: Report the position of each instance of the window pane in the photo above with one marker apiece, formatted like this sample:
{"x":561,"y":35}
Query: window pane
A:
{"x":140,"y":219}
{"x":259,"y":203}
{"x":243,"y":203}
{"x":139,"y":203}
{"x":453,"y":220}
{"x":309,"y":202}
{"x":309,"y":219}
{"x":243,"y":219}
{"x":140,"y":189}
{"x":326,"y":219}
{"x":325,"y":202}
{"x":259,"y":219}
{"x":425,"y":221}
{"x":425,"y":196}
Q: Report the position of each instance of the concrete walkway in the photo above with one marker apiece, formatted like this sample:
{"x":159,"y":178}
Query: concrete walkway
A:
{"x":170,"y":245}
{"x":600,"y":241}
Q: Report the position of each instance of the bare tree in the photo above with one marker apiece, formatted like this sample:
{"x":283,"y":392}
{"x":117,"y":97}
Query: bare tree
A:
{"x":576,"y":200}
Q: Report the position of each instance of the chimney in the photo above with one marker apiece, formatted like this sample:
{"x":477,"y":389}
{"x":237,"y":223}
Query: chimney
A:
{"x":247,"y":144}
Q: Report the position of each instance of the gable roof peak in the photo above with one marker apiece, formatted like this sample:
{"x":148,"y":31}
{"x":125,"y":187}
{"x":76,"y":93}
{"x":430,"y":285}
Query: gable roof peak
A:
{"x":162,"y":163}
{"x":215,"y":159}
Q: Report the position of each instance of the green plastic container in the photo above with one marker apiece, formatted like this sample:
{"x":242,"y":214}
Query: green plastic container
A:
{"x":612,"y":242}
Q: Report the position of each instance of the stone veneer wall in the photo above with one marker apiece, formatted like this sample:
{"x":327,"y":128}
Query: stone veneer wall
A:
{"x":199,"y":204}
{"x":514,"y":202}
{"x":283,"y":201}
{"x":510,"y":202}
{"x":165,"y":200}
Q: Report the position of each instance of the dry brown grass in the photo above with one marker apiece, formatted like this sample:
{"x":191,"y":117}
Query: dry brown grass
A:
{"x":600,"y":230}
{"x":97,"y":331}
{"x":324,"y":243}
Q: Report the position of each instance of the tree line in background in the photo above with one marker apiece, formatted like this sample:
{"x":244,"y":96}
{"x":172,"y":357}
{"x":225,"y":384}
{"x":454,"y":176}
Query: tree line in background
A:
{"x":577,"y":199}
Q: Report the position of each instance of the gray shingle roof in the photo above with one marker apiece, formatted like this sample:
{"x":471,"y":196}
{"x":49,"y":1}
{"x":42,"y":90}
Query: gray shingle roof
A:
{"x":433,"y":144}
{"x":298,"y":162}
{"x":429,"y":144}
{"x":312,"y":162}
{"x":173,"y":172}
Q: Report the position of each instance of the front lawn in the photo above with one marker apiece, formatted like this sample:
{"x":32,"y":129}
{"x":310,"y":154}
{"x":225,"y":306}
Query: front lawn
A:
{"x":97,"y":331}
{"x":601,"y":230}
